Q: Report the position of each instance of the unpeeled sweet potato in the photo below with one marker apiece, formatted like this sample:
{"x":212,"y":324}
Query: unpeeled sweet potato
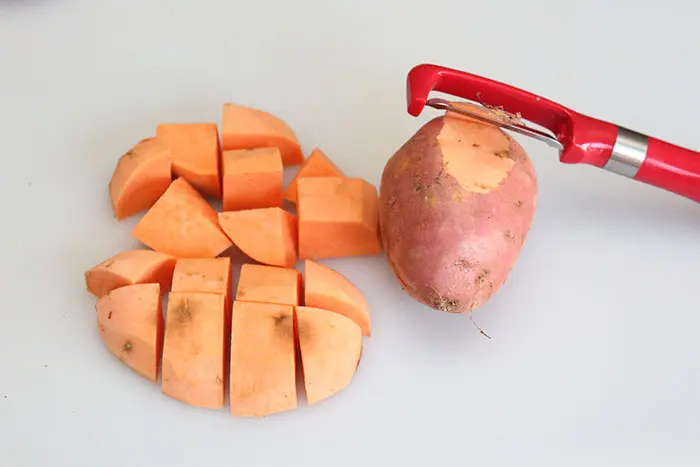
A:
{"x":456,"y":203}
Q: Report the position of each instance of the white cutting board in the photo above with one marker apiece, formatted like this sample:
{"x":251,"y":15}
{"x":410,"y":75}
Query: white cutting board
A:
{"x":594,"y":358}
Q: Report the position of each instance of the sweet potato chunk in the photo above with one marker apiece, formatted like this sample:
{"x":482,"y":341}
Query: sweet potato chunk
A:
{"x":182,"y":224}
{"x":193,"y":349}
{"x":205,"y":275}
{"x":196,"y":154}
{"x":130,"y":267}
{"x":326,"y":288}
{"x":141,"y":176}
{"x":269,"y":284}
{"x":316,"y":165}
{"x":130,"y":322}
{"x":268,"y":235}
{"x":330,"y":346}
{"x":247,"y":128}
{"x":252,"y":179}
{"x":262,"y":360}
{"x":337,"y":217}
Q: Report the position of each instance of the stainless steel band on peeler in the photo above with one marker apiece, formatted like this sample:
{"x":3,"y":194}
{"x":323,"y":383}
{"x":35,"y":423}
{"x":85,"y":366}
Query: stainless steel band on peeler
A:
{"x":628,"y":153}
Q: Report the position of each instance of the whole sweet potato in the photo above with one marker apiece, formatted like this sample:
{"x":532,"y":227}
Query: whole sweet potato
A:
{"x":456,"y":203}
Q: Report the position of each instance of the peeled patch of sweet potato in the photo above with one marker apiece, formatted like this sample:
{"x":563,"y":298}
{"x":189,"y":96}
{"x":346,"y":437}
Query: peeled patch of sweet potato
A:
{"x":456,"y":203}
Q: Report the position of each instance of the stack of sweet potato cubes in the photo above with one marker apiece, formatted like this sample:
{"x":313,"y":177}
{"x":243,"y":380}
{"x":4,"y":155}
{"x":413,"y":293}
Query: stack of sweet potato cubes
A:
{"x":278,"y":326}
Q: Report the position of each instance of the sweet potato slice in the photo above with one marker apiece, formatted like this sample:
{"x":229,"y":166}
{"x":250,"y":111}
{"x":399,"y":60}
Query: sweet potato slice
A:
{"x":262,"y":360}
{"x":269,"y":284}
{"x":140,"y":177}
{"x":326,"y":288}
{"x":182,"y":224}
{"x":205,"y":275}
{"x":337,"y":217}
{"x":252,"y":179}
{"x":267,"y":235}
{"x":246,"y":128}
{"x":330,"y":345}
{"x":130,"y":267}
{"x":196,"y":154}
{"x":194,"y":348}
{"x":316,"y":165}
{"x":130,"y":322}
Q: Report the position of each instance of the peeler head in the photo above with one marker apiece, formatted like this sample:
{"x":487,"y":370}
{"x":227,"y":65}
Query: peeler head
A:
{"x":577,"y":137}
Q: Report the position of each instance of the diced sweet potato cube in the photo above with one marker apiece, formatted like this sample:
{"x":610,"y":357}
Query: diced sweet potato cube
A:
{"x":196,"y":154}
{"x":140,"y":177}
{"x":182,"y":224}
{"x":269,"y":284}
{"x":252,"y":179}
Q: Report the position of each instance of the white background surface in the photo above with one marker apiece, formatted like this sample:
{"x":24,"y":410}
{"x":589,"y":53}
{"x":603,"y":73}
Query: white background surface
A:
{"x":595,"y":356}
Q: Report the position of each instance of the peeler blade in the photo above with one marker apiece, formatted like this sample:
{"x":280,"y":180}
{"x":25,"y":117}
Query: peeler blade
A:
{"x":497,"y":118}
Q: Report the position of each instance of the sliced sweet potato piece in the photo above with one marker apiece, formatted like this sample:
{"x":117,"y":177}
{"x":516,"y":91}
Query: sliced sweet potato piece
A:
{"x":337,"y":217}
{"x":194,"y":348}
{"x":326,"y":288}
{"x":330,"y":345}
{"x":182,"y":224}
{"x":205,"y":275}
{"x":316,"y":165}
{"x":267,"y":235}
{"x":263,"y":371}
{"x":269,"y":284}
{"x":252,"y":179}
{"x":196,"y":154}
{"x":130,"y":322}
{"x":140,"y":177}
{"x":130,"y":267}
{"x":246,"y":128}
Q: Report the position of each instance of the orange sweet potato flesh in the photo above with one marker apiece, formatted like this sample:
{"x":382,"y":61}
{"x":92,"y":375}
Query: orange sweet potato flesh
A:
{"x":337,"y":217}
{"x":316,"y":165}
{"x":182,"y":224}
{"x":328,"y":289}
{"x":262,"y":362}
{"x":130,"y":323}
{"x":267,"y":235}
{"x":205,"y":275}
{"x":252,"y":179}
{"x":141,"y":175}
{"x":194,"y":348}
{"x":330,"y":345}
{"x":196,"y":154}
{"x":246,"y":128}
{"x":130,"y":267}
{"x":269,"y":284}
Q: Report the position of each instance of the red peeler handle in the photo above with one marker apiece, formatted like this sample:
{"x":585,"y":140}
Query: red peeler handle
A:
{"x":584,"y":139}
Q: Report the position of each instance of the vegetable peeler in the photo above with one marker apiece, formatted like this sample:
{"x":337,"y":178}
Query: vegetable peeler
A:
{"x":577,"y":137}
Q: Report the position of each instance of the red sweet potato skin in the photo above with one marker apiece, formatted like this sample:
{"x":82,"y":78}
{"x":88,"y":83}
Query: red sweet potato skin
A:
{"x":452,"y":246}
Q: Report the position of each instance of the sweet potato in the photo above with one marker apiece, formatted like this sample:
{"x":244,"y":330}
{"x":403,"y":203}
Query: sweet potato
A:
{"x":330,"y":345}
{"x":140,"y":177}
{"x":130,"y":267}
{"x":316,"y":165}
{"x":269,"y":284}
{"x":182,"y":224}
{"x":456,"y":203}
{"x":205,"y":275}
{"x":263,"y":370}
{"x":130,"y":323}
{"x":246,"y":128}
{"x":194,"y":348}
{"x":267,"y":235}
{"x":196,"y":153}
{"x":337,"y":217}
{"x":326,"y":288}
{"x":252,"y":179}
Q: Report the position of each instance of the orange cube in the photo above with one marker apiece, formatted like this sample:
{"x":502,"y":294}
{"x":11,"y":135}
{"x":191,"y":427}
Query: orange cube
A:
{"x":252,"y":178}
{"x":337,"y":217}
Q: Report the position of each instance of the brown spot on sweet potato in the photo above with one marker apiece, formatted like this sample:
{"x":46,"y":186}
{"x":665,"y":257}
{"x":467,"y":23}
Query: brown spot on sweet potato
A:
{"x":519,"y":203}
{"x":109,"y":316}
{"x":448,"y":305}
{"x":463,"y":263}
{"x":508,"y":235}
{"x":474,"y":145}
{"x":404,"y":164}
{"x":503,"y":154}
{"x":108,"y":264}
{"x":218,"y":380}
